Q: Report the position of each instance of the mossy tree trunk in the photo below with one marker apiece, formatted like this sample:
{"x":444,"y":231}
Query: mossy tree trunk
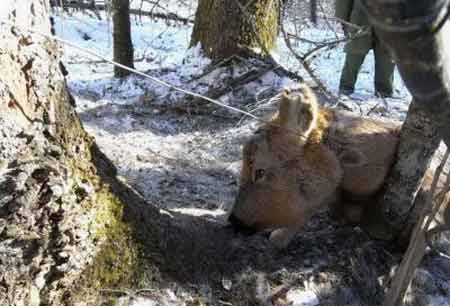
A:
{"x":62,"y":231}
{"x":123,"y":45}
{"x":223,"y":30}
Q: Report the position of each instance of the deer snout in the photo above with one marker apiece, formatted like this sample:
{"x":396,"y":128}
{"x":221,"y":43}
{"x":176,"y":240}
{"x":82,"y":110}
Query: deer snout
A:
{"x":240,"y":227}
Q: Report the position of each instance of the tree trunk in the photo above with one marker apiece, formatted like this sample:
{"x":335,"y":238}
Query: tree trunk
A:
{"x":62,"y":231}
{"x":418,"y":142}
{"x":313,"y":10}
{"x":123,"y":46}
{"x":223,"y":29}
{"x":415,"y":32}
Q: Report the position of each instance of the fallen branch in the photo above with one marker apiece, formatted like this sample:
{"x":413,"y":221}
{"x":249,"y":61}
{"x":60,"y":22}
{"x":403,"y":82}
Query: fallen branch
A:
{"x":213,"y":67}
{"x":244,"y":79}
{"x":139,"y":12}
{"x":90,"y":62}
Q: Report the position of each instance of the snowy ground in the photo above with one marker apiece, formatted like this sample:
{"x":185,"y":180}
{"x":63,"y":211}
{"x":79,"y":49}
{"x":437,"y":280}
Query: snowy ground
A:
{"x":185,"y":158}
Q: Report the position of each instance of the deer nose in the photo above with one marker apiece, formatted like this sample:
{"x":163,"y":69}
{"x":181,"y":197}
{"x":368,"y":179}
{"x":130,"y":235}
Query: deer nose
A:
{"x":240,"y":227}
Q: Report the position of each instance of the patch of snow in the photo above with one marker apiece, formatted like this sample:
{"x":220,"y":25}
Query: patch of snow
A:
{"x":200,"y":212}
{"x":302,"y":298}
{"x":328,"y":64}
{"x":163,"y":52}
{"x":145,"y":302}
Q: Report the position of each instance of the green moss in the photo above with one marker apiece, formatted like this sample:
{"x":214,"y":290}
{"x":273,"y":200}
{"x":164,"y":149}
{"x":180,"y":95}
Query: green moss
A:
{"x":223,"y":30}
{"x":266,"y":18}
{"x":116,"y":262}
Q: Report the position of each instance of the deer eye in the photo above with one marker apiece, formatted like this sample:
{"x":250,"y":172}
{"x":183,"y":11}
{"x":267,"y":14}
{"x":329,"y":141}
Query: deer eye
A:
{"x":259,"y":174}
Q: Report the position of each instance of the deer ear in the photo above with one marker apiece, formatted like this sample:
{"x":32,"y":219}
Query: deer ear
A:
{"x":298,"y":111}
{"x":352,"y":158}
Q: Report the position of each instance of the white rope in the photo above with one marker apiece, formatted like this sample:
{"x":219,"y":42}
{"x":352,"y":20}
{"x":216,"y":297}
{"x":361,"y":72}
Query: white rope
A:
{"x":155,"y":80}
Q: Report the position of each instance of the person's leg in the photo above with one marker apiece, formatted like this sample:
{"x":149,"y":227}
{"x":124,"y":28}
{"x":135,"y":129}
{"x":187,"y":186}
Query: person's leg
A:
{"x":384,"y":71}
{"x":349,"y":75}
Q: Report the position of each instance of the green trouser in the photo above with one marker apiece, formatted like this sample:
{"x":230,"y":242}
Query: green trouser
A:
{"x":384,"y":71}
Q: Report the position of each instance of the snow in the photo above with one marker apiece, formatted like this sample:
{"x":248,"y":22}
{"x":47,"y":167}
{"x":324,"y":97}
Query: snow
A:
{"x":162,"y":51}
{"x":328,"y":63}
{"x":302,"y":298}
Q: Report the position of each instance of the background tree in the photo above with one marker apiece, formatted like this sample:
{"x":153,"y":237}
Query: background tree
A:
{"x":223,"y":29}
{"x":123,"y":46}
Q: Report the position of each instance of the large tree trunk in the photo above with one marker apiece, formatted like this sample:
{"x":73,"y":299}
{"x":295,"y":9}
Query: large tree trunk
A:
{"x":62,"y":234}
{"x":223,"y":29}
{"x":418,"y":46}
{"x":123,"y":46}
{"x":68,"y":226}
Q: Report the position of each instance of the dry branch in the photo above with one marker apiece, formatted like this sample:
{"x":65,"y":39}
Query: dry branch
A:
{"x":245,"y":78}
{"x":417,"y":244}
{"x":305,"y":65}
{"x":139,"y":12}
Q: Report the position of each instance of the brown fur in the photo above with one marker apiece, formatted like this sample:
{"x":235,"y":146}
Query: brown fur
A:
{"x":304,"y":159}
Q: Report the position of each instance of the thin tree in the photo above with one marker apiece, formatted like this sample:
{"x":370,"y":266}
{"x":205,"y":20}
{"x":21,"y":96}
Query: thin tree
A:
{"x":416,"y":42}
{"x":235,"y":27}
{"x":123,"y":45}
{"x":415,"y":32}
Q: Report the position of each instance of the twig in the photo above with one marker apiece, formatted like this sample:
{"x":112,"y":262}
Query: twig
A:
{"x":327,"y":22}
{"x":440,"y":198}
{"x":436,"y":231}
{"x":344,"y":22}
{"x":120,"y":292}
{"x":215,"y":66}
{"x":90,"y":62}
{"x":240,"y":81}
{"x":417,"y":244}
{"x":372,"y":109}
{"x":305,"y":64}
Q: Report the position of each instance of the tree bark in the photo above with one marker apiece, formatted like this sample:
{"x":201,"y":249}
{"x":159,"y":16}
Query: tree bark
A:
{"x":415,"y":32}
{"x":418,"y":142}
{"x":62,"y":230}
{"x":223,"y":29}
{"x":313,"y":10}
{"x":123,"y":46}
